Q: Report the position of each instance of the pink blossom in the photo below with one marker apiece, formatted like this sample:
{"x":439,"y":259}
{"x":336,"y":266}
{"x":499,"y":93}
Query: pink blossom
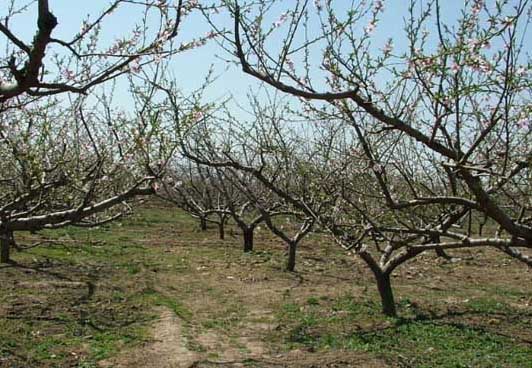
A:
{"x":407,"y":74}
{"x":477,"y":7}
{"x":135,"y":66}
{"x":370,"y":27}
{"x":165,"y":35}
{"x":158,"y":58}
{"x":84,"y":27}
{"x":68,"y":74}
{"x":290,"y":65}
{"x":210,"y":35}
{"x":521,"y":71}
{"x":279,"y":22}
{"x":482,"y":66}
{"x":303,"y":81}
{"x":327,"y":63}
{"x":388,"y":48}
{"x":378,"y":6}
{"x":455,"y":68}
{"x":508,"y":22}
{"x":523,"y":123}
{"x":472,"y":44}
{"x":192,"y":44}
{"x":197,"y":116}
{"x":377,"y":168}
{"x":427,"y":63}
{"x":192,"y":4}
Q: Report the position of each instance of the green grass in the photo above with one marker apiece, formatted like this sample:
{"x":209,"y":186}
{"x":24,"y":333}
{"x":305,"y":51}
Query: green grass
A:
{"x":45,"y":344}
{"x":429,"y":344}
{"x":135,"y":266}
{"x":62,"y":324}
{"x":418,"y":340}
{"x":171,"y":303}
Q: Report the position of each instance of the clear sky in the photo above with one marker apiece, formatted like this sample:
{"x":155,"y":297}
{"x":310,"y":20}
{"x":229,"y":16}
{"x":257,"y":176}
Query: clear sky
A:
{"x":190,"y":67}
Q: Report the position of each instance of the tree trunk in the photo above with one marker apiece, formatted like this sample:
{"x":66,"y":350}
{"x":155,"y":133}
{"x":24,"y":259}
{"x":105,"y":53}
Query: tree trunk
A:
{"x":441,"y":253}
{"x":481,"y":225}
{"x":439,"y":250}
{"x":248,"y":239}
{"x":470,"y":223}
{"x":221,"y":229}
{"x":5,"y":244}
{"x":203,"y":224}
{"x":386,"y":293}
{"x":291,"y":263}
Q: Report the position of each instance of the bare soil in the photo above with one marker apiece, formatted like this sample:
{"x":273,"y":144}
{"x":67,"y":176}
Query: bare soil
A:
{"x":200,"y":302}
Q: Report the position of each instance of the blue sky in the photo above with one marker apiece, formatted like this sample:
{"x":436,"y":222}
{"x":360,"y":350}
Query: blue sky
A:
{"x":189,"y":68}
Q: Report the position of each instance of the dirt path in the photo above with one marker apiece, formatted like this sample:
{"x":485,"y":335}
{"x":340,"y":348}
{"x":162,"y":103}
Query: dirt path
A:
{"x":166,"y":350}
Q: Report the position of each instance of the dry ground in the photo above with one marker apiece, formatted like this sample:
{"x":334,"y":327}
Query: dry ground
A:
{"x":155,"y":292}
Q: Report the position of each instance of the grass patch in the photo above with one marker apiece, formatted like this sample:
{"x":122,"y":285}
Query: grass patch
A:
{"x":80,"y":299}
{"x":158,"y":299}
{"x":93,"y":293}
{"x":428,"y":344}
{"x":416,"y":341}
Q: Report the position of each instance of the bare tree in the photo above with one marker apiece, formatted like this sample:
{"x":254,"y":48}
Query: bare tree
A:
{"x":264,"y":161}
{"x":69,"y":166}
{"x":84,"y":59}
{"x":441,"y":123}
{"x":244,"y":192}
{"x":195,"y":189}
{"x":68,"y":159}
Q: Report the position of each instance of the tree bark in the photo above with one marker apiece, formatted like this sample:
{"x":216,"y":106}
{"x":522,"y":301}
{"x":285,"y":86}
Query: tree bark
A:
{"x":5,"y":246}
{"x":481,"y":225}
{"x":203,"y":224}
{"x":386,"y":293}
{"x":248,"y":239}
{"x":221,"y":229}
{"x":291,"y":263}
{"x":441,"y":253}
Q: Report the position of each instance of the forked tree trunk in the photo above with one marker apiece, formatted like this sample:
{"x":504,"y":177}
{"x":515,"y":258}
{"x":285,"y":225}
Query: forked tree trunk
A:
{"x":5,"y":245}
{"x":248,"y":239}
{"x":386,"y":293}
{"x":291,"y":263}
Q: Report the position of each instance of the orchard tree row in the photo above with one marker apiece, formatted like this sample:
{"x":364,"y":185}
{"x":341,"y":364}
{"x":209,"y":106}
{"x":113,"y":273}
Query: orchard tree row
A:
{"x":394,"y":148}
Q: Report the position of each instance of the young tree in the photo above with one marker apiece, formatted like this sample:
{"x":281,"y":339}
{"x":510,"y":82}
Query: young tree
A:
{"x":195,"y":189}
{"x":246,"y":191}
{"x":264,"y":161}
{"x":441,"y":121}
